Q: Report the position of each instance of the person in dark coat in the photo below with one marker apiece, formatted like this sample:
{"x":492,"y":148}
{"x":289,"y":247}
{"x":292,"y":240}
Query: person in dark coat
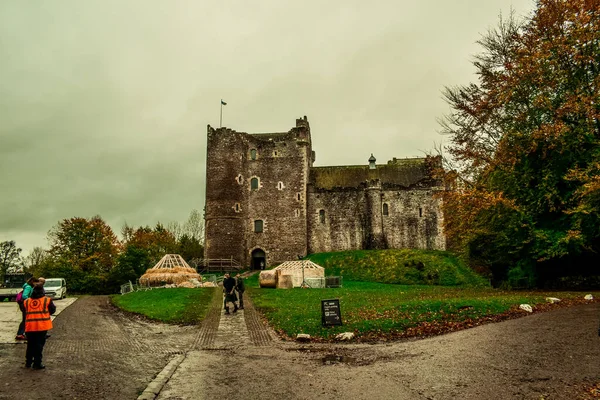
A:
{"x":240,"y":288}
{"x":38,"y":322}
{"x":229,"y":291}
{"x":27,"y":289}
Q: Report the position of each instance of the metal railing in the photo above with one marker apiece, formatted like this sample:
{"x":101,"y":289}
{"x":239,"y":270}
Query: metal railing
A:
{"x":128,"y":288}
{"x":324,"y":282}
{"x":211,"y":265}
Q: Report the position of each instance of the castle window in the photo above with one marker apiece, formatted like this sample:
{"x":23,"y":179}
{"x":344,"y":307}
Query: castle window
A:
{"x":280,"y":185}
{"x":297,"y":213}
{"x":298,"y":196}
{"x":253,"y":154}
{"x":420,"y":212}
{"x":240,"y":179}
{"x":385,"y":209}
{"x":322,"y":216}
{"x":254,"y":184}
{"x":274,"y":153}
{"x":237,"y":207}
{"x":258,"y":225}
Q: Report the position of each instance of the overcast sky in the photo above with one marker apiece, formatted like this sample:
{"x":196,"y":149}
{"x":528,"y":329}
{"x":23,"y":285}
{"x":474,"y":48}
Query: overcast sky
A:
{"x":104,"y":104}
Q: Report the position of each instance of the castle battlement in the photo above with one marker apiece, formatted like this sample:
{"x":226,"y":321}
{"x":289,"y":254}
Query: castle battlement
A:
{"x":302,"y":122}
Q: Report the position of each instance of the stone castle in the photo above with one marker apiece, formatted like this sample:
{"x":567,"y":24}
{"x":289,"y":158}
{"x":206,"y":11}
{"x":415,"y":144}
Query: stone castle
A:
{"x":266,"y":203}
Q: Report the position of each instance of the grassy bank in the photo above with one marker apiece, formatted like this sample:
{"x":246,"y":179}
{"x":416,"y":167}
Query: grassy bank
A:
{"x":373,"y":310}
{"x":401,"y":266}
{"x":175,"y":306}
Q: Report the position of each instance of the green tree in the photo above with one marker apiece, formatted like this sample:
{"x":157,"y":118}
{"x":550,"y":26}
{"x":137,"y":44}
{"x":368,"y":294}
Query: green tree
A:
{"x":190,"y":248}
{"x":526,"y":144}
{"x":131,"y":264}
{"x":83,"y":251}
{"x":154,"y":242}
{"x":10,"y":257}
{"x":142,"y":249}
{"x":89,"y":244}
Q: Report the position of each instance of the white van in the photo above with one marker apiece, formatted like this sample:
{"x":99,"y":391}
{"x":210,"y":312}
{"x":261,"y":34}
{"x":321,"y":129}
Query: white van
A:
{"x":56,"y":288}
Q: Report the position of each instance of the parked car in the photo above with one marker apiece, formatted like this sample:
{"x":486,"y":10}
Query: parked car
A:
{"x":56,"y":288}
{"x":12,"y":285}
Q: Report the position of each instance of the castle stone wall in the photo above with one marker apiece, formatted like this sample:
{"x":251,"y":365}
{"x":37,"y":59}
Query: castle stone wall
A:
{"x":345,"y":224}
{"x":354,"y":220}
{"x":306,"y":209}
{"x":414,"y":219}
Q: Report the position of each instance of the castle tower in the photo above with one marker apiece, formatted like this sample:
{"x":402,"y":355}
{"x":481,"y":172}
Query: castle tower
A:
{"x":225,"y":195}
{"x":256,"y":195}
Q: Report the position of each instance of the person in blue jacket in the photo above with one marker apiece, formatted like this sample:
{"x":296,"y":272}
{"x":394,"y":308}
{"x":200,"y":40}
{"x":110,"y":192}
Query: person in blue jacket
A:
{"x":27,"y":289}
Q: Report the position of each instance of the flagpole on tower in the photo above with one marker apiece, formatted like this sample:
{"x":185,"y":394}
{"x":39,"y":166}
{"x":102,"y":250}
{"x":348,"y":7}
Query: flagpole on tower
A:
{"x":221,"y":117}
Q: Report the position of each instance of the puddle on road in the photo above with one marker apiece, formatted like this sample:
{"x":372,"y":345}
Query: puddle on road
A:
{"x":331,"y":359}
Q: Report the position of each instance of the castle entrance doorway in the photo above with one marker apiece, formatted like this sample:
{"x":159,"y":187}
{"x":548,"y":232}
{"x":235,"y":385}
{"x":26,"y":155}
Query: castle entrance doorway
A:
{"x":259,"y":259}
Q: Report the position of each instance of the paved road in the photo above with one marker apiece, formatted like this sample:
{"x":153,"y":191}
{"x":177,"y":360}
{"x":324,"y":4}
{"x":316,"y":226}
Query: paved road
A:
{"x":98,"y":352}
{"x":552,"y":355}
{"x":10,"y":318}
{"x":95,"y":352}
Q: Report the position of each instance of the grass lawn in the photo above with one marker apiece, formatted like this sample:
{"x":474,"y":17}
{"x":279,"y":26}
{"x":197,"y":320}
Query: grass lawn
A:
{"x":174,"y":305}
{"x":400,"y":266}
{"x":375,"y":310}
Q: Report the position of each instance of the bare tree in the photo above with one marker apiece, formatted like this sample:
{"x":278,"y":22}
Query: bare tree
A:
{"x":194,"y":226}
{"x":175,"y":228}
{"x":127,"y":232}
{"x":35,"y":259}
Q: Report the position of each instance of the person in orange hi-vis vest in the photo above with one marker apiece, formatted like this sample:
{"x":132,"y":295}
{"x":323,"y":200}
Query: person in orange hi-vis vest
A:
{"x":38,"y":309}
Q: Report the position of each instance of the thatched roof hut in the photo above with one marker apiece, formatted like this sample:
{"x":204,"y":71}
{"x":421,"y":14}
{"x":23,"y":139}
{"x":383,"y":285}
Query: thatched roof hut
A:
{"x":171,"y":269}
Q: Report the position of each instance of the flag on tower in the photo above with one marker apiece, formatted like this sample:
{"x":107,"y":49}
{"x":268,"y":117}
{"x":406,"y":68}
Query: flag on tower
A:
{"x":222,"y":102}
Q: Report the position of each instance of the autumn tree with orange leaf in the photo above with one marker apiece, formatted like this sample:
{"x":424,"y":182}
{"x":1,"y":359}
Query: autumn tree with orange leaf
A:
{"x":143,"y":247}
{"x":525,"y":144}
{"x":88,"y":244}
{"x":83,"y":251}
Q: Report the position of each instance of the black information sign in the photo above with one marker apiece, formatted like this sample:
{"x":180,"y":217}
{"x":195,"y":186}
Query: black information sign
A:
{"x":330,"y":312}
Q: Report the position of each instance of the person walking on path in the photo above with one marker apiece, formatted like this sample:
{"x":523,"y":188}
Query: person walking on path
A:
{"x":229,"y":291}
{"x":38,"y":309}
{"x":27,"y":288}
{"x":240,"y":287}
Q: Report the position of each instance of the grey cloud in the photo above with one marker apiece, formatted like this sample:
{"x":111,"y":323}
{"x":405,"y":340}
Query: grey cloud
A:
{"x":104,"y":104}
